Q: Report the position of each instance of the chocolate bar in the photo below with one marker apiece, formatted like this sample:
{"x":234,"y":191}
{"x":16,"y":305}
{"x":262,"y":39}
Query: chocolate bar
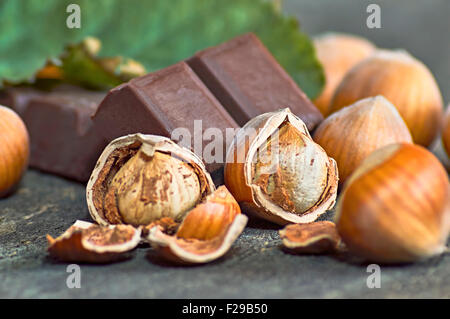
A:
{"x":160,"y":103}
{"x":248,"y":81}
{"x":62,"y":137}
{"x":17,"y":98}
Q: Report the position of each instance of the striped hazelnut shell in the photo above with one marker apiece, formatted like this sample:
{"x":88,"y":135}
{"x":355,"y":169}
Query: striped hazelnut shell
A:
{"x":395,"y":206}
{"x":352,"y":133}
{"x":404,"y":81}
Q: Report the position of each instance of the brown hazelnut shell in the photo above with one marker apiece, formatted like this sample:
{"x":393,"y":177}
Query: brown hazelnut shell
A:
{"x":206,"y":233}
{"x":338,"y":53}
{"x":446,"y":131}
{"x":90,"y":243}
{"x":117,"y":153}
{"x":313,"y":238}
{"x":352,"y":133}
{"x":395,"y":206}
{"x":14,"y":150}
{"x":404,"y":81}
{"x":239,"y":176}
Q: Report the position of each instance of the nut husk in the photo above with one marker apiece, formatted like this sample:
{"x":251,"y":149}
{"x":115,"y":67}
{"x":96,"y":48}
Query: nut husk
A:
{"x":338,"y":53}
{"x":140,"y":178}
{"x":206,"y":233}
{"x":276,"y":171}
{"x":352,"y":133}
{"x":90,"y":243}
{"x":313,"y":238}
{"x":404,"y":81}
{"x":395,"y":206}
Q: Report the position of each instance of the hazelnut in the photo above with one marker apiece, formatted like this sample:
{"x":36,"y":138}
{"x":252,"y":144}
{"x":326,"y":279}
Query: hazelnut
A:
{"x":404,"y":81}
{"x":276,"y":171}
{"x":206,"y":233}
{"x":395,"y":207}
{"x":446,"y":131}
{"x":352,"y":133}
{"x":338,"y":53}
{"x":139,"y":179}
{"x":14,"y":150}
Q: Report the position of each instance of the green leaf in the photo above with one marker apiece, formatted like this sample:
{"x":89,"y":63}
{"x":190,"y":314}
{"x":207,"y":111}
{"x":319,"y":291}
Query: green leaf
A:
{"x":156,"y":33}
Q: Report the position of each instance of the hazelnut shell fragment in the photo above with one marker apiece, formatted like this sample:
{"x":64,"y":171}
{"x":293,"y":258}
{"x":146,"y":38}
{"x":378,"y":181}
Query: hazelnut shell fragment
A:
{"x":300,"y":182}
{"x":141,"y":178}
{"x":91,"y":243}
{"x":312,"y":238}
{"x":206,"y":233}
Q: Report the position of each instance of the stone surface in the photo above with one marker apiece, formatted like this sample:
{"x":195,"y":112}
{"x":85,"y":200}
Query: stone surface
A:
{"x":255,"y":267}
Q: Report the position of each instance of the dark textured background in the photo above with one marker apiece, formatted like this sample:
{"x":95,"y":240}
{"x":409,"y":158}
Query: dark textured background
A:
{"x":256,"y":266}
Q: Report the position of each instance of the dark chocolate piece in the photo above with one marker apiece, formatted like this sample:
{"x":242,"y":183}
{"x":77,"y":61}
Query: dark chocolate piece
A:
{"x":62,"y":137}
{"x":17,"y":98}
{"x":160,"y":102}
{"x":248,"y":81}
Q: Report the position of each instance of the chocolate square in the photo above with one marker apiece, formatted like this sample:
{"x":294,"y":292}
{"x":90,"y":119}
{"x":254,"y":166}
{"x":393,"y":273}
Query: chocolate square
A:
{"x":248,"y":81}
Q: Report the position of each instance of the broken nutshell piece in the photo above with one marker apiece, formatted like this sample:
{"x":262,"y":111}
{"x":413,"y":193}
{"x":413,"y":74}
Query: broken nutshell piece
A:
{"x":312,"y":238}
{"x":276,"y":171}
{"x":140,"y":179}
{"x":90,"y":243}
{"x":206,"y":233}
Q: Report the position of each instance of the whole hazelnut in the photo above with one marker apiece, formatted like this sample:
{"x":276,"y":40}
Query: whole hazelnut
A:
{"x":395,"y":206}
{"x":338,"y":53}
{"x":404,"y":81}
{"x":14,"y":150}
{"x":446,"y":131}
{"x":352,"y":133}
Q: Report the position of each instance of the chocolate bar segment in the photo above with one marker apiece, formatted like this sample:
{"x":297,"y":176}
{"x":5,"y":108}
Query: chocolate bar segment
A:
{"x":161,"y":102}
{"x":62,"y":137}
{"x":248,"y":81}
{"x":17,"y":98}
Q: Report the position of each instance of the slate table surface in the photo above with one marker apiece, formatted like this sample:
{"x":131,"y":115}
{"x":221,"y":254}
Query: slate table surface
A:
{"x":255,"y":267}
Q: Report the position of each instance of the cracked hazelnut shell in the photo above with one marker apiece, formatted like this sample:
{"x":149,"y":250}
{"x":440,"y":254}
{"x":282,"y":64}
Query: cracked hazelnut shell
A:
{"x":395,"y":206}
{"x":312,"y":238}
{"x":206,"y":233}
{"x":140,"y":178}
{"x":277,"y":172}
{"x":91,"y":243}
